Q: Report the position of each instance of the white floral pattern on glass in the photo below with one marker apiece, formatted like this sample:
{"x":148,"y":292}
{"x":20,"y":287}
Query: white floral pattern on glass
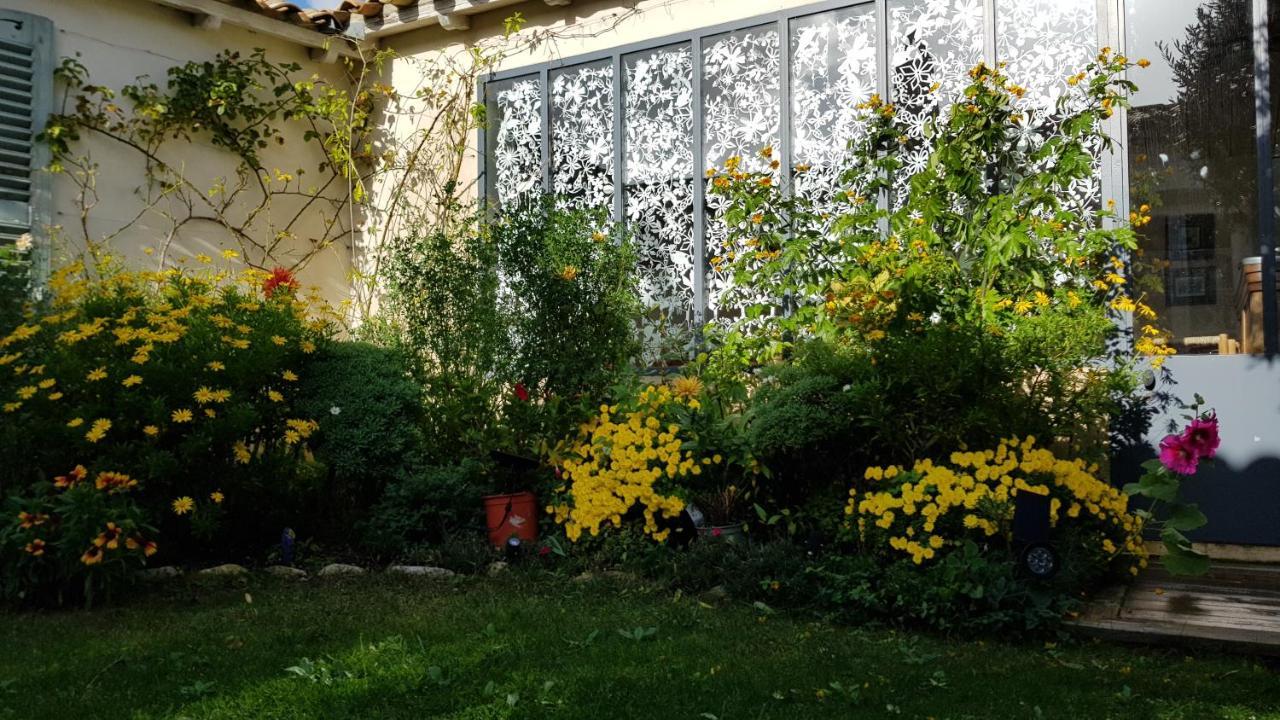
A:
{"x":741,"y":80}
{"x":582,"y":135}
{"x":515,"y":145}
{"x":657,"y":127}
{"x":1044,"y":41}
{"x":933,"y":44}
{"x":833,"y":70}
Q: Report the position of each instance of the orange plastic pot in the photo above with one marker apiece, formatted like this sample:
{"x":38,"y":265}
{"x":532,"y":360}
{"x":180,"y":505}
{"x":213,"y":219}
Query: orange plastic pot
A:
{"x":511,"y":515}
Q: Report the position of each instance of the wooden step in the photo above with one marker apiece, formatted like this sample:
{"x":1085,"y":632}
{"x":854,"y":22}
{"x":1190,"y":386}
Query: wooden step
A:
{"x":1235,"y":606}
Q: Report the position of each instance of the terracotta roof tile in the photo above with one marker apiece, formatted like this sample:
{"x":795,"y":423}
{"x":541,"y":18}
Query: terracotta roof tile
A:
{"x":330,"y":22}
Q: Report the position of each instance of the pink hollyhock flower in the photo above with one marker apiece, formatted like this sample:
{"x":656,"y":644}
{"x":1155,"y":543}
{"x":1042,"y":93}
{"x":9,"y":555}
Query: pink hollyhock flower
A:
{"x":1202,"y":436}
{"x":522,"y":392}
{"x":1178,"y":455}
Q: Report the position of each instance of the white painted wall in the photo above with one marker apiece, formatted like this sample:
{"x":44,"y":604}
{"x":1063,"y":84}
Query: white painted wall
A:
{"x":119,"y":40}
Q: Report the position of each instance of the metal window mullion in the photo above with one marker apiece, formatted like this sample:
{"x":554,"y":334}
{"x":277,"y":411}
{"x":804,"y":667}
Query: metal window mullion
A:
{"x":884,"y":60}
{"x":544,"y":77}
{"x":1115,"y":166}
{"x":784,"y":104}
{"x":1266,"y":170}
{"x":701,"y":302}
{"x":989,"y":32}
{"x":619,"y":137}
{"x":482,"y":145}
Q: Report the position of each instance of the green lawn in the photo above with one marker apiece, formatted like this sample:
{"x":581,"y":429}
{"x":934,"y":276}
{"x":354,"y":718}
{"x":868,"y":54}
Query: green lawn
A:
{"x":526,"y":647}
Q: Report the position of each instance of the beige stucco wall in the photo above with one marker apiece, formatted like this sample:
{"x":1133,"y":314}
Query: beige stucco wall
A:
{"x":119,"y":40}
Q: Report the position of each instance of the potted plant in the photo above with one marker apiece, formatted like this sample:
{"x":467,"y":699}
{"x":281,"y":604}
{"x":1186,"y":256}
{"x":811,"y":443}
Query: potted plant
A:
{"x":512,"y":511}
{"x":723,"y":512}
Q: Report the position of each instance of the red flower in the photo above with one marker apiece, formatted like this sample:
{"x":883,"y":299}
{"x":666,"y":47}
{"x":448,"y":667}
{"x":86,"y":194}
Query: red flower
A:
{"x":522,"y":393}
{"x":1202,"y":436}
{"x":279,"y":278}
{"x":716,"y":532}
{"x":544,"y":551}
{"x":1178,"y":455}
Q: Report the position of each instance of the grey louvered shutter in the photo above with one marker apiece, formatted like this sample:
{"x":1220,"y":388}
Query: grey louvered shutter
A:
{"x":26,"y":72}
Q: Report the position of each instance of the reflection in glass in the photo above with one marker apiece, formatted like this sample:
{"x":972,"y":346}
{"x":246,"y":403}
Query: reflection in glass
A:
{"x":1193,"y":171}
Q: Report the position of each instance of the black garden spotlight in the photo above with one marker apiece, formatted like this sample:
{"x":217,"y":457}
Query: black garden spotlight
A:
{"x":1031,"y":536}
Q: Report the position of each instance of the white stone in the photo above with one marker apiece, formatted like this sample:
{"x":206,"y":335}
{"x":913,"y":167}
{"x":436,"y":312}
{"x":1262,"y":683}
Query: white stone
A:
{"x":285,"y":571}
{"x":497,"y":567}
{"x":227,"y":570}
{"x":336,"y":569}
{"x":156,"y":574}
{"x":420,"y":571}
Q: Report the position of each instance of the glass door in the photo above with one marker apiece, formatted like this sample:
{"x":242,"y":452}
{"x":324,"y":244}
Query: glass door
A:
{"x":1193,"y":139}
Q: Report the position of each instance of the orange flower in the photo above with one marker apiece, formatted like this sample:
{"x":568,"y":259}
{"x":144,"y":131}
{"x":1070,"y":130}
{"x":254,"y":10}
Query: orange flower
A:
{"x":92,"y":556}
{"x":36,"y":547}
{"x":279,"y":278}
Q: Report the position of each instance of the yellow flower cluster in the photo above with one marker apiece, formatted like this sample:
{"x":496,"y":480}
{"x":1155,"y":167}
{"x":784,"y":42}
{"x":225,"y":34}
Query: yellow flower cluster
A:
{"x":628,"y":459}
{"x":920,"y":511}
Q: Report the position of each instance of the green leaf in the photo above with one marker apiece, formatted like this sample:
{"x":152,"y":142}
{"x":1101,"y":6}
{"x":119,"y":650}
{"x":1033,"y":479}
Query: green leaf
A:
{"x":1186,"y":517}
{"x":1172,"y":539}
{"x":1184,"y":561}
{"x":1159,"y":486}
{"x":1152,"y":465}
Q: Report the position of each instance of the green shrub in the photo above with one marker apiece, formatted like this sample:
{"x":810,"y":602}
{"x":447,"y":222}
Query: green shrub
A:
{"x":569,"y":294}
{"x":970,"y":590}
{"x":429,"y":506}
{"x":514,"y":364}
{"x":370,"y":412}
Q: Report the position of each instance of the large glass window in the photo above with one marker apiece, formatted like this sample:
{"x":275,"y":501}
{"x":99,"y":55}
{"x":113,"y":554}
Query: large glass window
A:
{"x":1192,"y":172}
{"x":514,"y":143}
{"x":680,"y":113}
{"x":582,"y":134}
{"x":833,"y":71}
{"x":741,"y":117}
{"x":658,"y":192}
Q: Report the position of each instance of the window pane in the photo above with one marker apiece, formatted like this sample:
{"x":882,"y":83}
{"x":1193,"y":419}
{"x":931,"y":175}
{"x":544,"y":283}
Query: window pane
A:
{"x":1042,"y":42}
{"x":741,"y":76}
{"x":833,"y":70}
{"x":934,"y":43}
{"x":514,"y":139}
{"x":1193,"y":168}
{"x":658,"y":192}
{"x":582,"y":135}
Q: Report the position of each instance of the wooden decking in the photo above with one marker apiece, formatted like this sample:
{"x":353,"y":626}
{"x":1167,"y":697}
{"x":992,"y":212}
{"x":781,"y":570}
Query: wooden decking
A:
{"x":1236,"y":606}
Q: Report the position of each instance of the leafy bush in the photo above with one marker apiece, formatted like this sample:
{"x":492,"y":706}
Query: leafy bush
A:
{"x":442,"y":305}
{"x":370,"y":412}
{"x":74,"y":538}
{"x":514,"y":364}
{"x":186,"y":381}
{"x":569,"y":293}
{"x":968,"y":590}
{"x":427,"y":506}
